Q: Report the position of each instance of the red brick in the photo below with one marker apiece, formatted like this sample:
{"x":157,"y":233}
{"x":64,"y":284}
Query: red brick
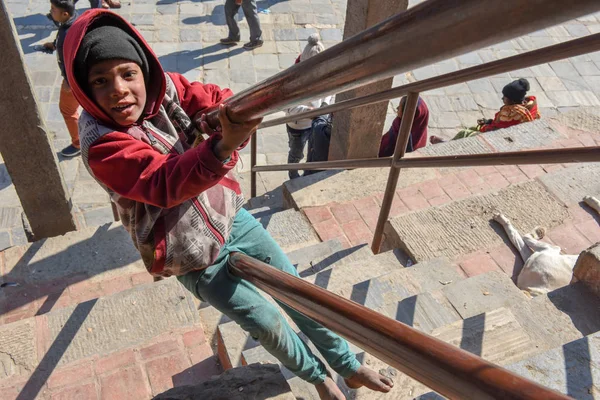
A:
{"x":200,"y":353}
{"x":496,"y":181}
{"x":457,"y":192}
{"x":162,"y":371}
{"x":407,"y":191}
{"x":194,"y":338}
{"x":531,"y":170}
{"x":357,"y":232}
{"x":204,"y":366}
{"x":42,"y":336}
{"x":586,"y":139}
{"x":317,"y":214}
{"x":141,"y":278}
{"x":590,"y":229}
{"x":328,"y":230}
{"x":70,"y":375}
{"x":486,"y":170}
{"x":483,"y":187}
{"x":115,"y":360}
{"x":517,"y":178}
{"x":469,"y":178}
{"x":569,"y":143}
{"x":508,"y":259}
{"x":508,"y":170}
{"x":416,"y":202}
{"x":580,"y":214}
{"x":53,"y":301}
{"x":398,"y":207}
{"x":478,"y":263}
{"x":345,"y":213}
{"x":159,"y":349}
{"x":16,"y":316}
{"x":569,"y":239}
{"x":448,"y":180}
{"x":551,"y":167}
{"x":86,"y":391}
{"x":368,"y":210}
{"x":127,"y":383}
{"x":85,"y":290}
{"x":430,"y":189}
{"x":438,"y":201}
{"x":116,"y":285}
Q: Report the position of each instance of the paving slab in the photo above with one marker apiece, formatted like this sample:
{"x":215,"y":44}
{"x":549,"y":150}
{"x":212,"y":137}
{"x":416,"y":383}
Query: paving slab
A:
{"x":18,"y":354}
{"x":119,"y":321}
{"x":290,"y":228}
{"x":98,"y":253}
{"x":495,"y":336}
{"x":572,"y":184}
{"x":465,"y":226}
{"x":524,"y":136}
{"x":482,"y":293}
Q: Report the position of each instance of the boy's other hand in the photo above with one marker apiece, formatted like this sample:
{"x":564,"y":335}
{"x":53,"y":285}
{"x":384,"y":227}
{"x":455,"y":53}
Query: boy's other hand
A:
{"x":233,"y":134}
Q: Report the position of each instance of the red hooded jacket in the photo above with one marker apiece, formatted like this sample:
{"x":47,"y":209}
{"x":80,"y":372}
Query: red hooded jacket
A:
{"x":176,"y":202}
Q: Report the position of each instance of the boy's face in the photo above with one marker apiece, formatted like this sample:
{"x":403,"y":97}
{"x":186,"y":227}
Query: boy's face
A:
{"x":58,"y":14}
{"x":118,"y":87}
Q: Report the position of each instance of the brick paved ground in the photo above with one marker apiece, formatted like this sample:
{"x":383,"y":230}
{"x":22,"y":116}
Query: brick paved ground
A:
{"x":185,"y":35}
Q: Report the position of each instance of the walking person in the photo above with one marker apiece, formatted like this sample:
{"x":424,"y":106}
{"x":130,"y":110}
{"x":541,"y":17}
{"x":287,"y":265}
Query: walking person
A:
{"x":251,"y":13}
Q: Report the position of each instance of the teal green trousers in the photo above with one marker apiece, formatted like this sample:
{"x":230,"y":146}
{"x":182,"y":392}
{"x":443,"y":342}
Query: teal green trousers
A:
{"x":240,"y":301}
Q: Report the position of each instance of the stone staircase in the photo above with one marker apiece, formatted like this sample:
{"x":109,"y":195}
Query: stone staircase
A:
{"x":87,"y":322}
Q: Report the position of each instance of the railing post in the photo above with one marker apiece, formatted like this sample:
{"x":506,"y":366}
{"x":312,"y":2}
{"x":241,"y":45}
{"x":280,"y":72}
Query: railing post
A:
{"x":253,"y":140}
{"x":408,"y":115}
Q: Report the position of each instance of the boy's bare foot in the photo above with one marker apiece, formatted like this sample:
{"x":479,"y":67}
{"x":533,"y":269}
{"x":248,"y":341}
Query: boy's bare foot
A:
{"x":436,"y":139}
{"x":371,"y":379}
{"x":328,"y":390}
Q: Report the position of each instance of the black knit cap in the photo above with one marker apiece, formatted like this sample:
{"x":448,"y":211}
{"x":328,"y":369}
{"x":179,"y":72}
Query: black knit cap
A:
{"x":516,"y":90}
{"x":107,"y":43}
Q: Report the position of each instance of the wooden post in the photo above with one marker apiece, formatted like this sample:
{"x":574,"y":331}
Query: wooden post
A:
{"x":24,"y":144}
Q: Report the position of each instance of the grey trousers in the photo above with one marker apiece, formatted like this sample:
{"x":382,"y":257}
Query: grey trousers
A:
{"x":251,"y":14}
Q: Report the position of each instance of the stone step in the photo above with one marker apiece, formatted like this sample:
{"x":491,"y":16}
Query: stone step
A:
{"x":341,"y":186}
{"x":466,"y":226}
{"x":66,"y":270}
{"x":290,"y":228}
{"x":572,"y":184}
{"x":572,"y":368}
{"x":97,"y":327}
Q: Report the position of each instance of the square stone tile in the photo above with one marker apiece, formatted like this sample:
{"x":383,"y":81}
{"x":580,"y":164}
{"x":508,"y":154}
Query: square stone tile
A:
{"x":587,"y":69}
{"x":551,"y":83}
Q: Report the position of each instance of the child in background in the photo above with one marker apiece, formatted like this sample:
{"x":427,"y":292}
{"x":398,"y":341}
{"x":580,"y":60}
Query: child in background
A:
{"x":180,"y":205}
{"x":64,"y":15}
{"x":299,"y":131}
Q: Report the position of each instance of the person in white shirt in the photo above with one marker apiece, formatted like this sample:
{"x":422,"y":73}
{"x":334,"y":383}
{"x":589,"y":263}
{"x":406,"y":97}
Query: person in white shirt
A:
{"x":299,"y":131}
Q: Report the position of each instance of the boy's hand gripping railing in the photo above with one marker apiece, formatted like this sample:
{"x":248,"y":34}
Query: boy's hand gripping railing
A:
{"x":444,"y":368}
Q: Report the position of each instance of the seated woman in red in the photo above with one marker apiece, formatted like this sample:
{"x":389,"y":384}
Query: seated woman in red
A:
{"x":517,"y":108}
{"x":418,"y":133}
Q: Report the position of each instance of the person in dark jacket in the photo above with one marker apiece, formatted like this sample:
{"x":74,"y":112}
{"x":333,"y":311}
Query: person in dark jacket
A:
{"x":418,"y":132}
{"x":63,"y":14}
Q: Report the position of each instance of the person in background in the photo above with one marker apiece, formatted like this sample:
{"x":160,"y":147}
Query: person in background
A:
{"x":517,"y":108}
{"x":63,"y":14}
{"x":418,"y":132}
{"x":251,"y":13}
{"x":299,"y":131}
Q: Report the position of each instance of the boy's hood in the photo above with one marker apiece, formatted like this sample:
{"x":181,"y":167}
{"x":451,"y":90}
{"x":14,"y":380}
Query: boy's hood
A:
{"x":155,"y":82}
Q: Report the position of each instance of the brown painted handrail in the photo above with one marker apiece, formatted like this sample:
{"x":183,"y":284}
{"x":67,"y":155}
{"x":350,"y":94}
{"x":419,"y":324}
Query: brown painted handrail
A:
{"x":444,"y":368}
{"x":549,"y":156}
{"x":432,"y":31}
{"x":571,"y":48}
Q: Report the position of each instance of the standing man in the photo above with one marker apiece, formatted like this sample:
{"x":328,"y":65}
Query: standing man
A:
{"x":251,"y":14}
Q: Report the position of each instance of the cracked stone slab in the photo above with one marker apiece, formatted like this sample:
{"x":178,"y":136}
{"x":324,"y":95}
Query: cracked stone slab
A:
{"x":572,"y":184}
{"x":122,"y":320}
{"x":18,"y":354}
{"x":466,"y":226}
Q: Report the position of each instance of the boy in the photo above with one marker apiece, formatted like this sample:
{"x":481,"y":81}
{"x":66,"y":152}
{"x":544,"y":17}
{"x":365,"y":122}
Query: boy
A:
{"x":63,"y":14}
{"x":180,"y":204}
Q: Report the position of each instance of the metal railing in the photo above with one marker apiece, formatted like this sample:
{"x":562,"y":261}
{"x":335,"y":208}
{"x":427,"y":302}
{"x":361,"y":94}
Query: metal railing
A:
{"x":447,"y":369}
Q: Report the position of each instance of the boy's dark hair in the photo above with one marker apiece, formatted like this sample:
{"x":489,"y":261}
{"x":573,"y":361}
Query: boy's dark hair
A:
{"x":66,"y":5}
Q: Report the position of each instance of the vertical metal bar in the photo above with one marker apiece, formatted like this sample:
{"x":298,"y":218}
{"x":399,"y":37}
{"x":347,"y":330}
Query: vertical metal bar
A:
{"x":408,"y":115}
{"x":114,"y":211}
{"x":253,"y":140}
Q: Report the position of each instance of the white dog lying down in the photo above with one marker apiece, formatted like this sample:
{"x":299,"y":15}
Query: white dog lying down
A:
{"x":545,"y":268}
